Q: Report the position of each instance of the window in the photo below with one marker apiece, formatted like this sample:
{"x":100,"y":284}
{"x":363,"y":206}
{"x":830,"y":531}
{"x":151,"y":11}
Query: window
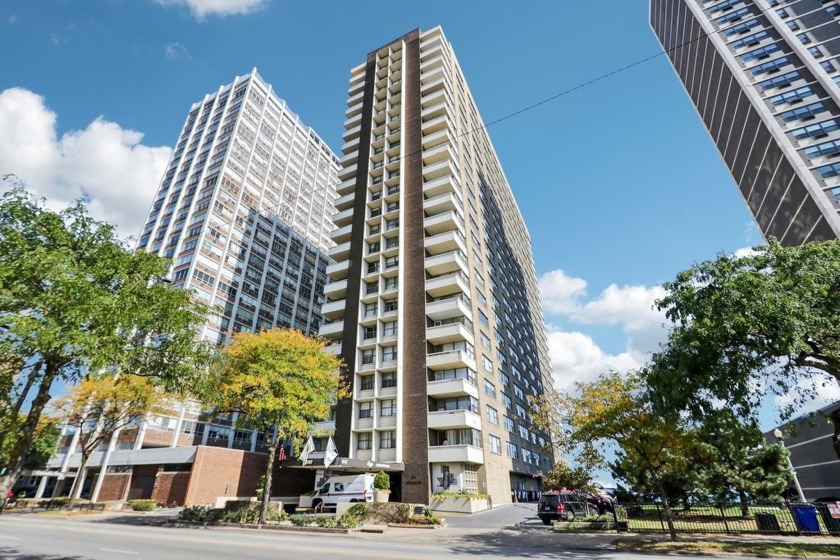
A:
{"x":370,"y":310}
{"x":390,"y":305}
{"x":803,"y":113}
{"x":392,"y":224}
{"x":518,"y":391}
{"x":366,"y":409}
{"x":363,"y":440}
{"x":389,"y":380}
{"x":391,"y":283}
{"x":523,"y":432}
{"x":367,"y":383}
{"x":389,"y":354}
{"x":489,"y":388}
{"x":505,"y":379}
{"x":373,"y":247}
{"x":487,"y":363}
{"x":483,"y":318}
{"x":373,"y":266}
{"x":509,"y":426}
{"x":520,"y":410}
{"x":512,"y":450}
{"x":367,"y":355}
{"x":794,"y":96}
{"x":507,"y":400}
{"x":495,"y":445}
{"x":371,"y":288}
{"x":392,"y":262}
{"x":388,"y":440}
{"x":492,"y":415}
{"x":388,"y":408}
{"x":389,"y":328}
{"x":485,"y":340}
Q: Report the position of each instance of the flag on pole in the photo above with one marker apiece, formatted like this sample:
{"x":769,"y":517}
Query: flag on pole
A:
{"x":281,"y":454}
{"x":307,"y":449}
{"x":331,"y":453}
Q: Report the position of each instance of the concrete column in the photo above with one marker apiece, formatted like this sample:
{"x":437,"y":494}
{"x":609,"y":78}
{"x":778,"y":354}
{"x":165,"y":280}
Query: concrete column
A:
{"x":206,"y":434}
{"x":141,"y":434}
{"x":42,"y":486}
{"x":233,"y":421}
{"x":71,"y":449}
{"x":178,"y":426}
{"x":253,"y":441}
{"x":94,"y":496}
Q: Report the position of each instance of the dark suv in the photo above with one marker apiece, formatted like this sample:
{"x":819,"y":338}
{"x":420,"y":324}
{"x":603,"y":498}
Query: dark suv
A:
{"x":561,"y":505}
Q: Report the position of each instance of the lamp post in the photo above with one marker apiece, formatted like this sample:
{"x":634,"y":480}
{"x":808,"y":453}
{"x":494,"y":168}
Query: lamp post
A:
{"x":778,"y":433}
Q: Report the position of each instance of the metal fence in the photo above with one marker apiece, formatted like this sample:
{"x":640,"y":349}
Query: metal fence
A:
{"x":775,"y":519}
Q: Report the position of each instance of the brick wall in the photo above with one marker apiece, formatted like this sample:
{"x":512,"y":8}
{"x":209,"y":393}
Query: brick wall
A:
{"x":114,"y":487}
{"x":219,"y":472}
{"x":171,"y":487}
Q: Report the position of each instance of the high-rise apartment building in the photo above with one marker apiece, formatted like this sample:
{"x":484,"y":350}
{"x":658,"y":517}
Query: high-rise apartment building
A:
{"x":433,"y":300}
{"x":245,"y":208}
{"x":763,"y":75}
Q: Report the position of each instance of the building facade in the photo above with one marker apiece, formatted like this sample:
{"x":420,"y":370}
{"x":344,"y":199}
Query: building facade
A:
{"x":244,"y":210}
{"x":432,"y":301}
{"x":763,"y":75}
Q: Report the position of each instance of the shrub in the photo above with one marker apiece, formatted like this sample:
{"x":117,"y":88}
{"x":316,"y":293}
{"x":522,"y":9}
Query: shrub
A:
{"x":422,"y":520}
{"x":55,"y":503}
{"x":143,"y":505}
{"x":327,"y":521}
{"x":444,"y":495}
{"x":382,"y":482}
{"x":201,"y":514}
{"x":277,"y":515}
{"x":391,"y":512}
{"x":302,"y":520}
{"x":241,"y":511}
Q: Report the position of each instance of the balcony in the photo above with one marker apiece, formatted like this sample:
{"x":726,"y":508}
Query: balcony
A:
{"x":451,"y":332}
{"x":445,"y":263}
{"x":441,"y":185}
{"x":451,"y":388}
{"x":445,"y":242}
{"x":340,"y":252}
{"x":346,"y":187}
{"x":449,"y":360}
{"x":443,"y":203}
{"x":341,"y":234}
{"x":442,"y":222}
{"x":353,"y":121}
{"x":334,"y":309}
{"x":323,"y":426}
{"x":346,"y":201}
{"x":445,"y":285}
{"x":338,"y":271}
{"x":437,"y":170}
{"x":456,"y":454}
{"x":452,"y":419}
{"x":437,"y":139}
{"x":439,"y":123}
{"x":331,"y":330}
{"x":348,"y":172}
{"x":350,"y":158}
{"x":334,"y":349}
{"x":352,"y":133}
{"x":336,"y":290}
{"x":448,"y":308}
{"x":351,"y":146}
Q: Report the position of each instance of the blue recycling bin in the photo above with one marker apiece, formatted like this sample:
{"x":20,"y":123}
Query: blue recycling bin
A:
{"x":805,"y":517}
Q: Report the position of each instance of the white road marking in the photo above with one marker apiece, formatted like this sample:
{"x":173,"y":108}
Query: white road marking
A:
{"x":119,"y":551}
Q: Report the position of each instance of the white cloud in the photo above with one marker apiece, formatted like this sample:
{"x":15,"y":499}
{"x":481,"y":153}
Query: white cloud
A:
{"x":105,"y":162}
{"x":202,"y":8}
{"x":560,"y":292}
{"x":575,"y":356}
{"x":176,"y":51}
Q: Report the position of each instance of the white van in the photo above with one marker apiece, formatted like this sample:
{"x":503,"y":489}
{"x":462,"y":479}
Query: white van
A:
{"x":352,"y":488}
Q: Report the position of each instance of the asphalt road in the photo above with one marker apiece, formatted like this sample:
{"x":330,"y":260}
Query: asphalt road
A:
{"x":29,"y":537}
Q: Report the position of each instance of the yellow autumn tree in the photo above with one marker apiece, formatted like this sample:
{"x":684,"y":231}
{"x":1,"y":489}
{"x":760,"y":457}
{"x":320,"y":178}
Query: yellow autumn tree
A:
{"x":100,"y":406}
{"x":282,"y":382}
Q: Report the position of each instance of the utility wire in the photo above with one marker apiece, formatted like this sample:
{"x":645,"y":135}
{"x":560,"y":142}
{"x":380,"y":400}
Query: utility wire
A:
{"x":533,"y":106}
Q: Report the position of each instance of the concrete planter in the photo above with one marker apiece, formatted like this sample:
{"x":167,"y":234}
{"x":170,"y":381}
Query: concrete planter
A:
{"x":583,"y":526}
{"x":454,"y":504}
{"x":381,"y":496}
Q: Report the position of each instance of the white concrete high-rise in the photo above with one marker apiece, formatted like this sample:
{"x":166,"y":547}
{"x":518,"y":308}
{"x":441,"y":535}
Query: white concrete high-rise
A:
{"x":433,"y":301}
{"x":245,"y":208}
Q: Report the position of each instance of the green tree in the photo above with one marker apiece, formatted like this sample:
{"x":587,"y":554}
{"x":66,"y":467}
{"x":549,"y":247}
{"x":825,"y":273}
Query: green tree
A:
{"x":283,"y":382}
{"x":611,"y":414}
{"x":75,"y":299}
{"x":100,"y":406}
{"x":746,"y":326}
{"x":565,"y":476}
{"x":737,"y":459}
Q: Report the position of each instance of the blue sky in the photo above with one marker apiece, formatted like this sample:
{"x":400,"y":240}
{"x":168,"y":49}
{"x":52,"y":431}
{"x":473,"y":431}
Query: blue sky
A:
{"x":618,"y":182}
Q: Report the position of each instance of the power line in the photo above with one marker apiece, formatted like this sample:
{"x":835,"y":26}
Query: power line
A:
{"x":563,"y":93}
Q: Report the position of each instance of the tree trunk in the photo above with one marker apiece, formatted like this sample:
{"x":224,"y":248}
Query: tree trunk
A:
{"x":745,"y":508}
{"x":834,"y":418}
{"x":77,"y":481}
{"x":269,"y":469}
{"x":27,"y":430}
{"x":669,"y":517}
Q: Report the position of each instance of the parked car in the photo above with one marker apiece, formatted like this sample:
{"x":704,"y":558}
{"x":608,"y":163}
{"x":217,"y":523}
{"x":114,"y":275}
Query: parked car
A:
{"x":602,"y":503}
{"x":563,"y":504}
